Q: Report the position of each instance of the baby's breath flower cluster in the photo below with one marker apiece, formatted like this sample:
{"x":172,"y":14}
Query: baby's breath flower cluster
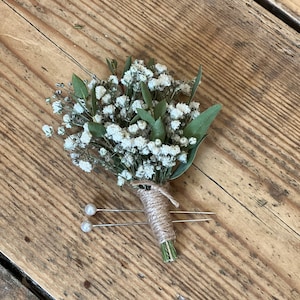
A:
{"x":142,"y":125}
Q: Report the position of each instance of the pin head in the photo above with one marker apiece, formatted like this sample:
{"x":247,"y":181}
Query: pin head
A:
{"x":90,"y":209}
{"x":86,"y":226}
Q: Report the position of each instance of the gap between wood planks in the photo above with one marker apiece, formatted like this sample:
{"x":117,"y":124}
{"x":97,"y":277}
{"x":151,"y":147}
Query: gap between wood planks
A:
{"x":23,"y":278}
{"x":280,"y":13}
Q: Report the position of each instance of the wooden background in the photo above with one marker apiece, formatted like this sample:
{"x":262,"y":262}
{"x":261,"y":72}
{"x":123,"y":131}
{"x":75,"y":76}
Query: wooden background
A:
{"x":247,"y":171}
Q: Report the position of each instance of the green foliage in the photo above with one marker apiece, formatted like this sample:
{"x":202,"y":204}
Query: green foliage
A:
{"x":158,"y":130}
{"x":96,"y":129}
{"x":146,"y":94}
{"x":112,"y":65}
{"x":182,"y":167}
{"x":196,"y":84}
{"x":198,"y":127}
{"x":146,"y":116}
{"x":151,"y":63}
{"x":160,"y":109}
{"x":94,"y":102}
{"x":80,"y":89}
{"x":127,"y":65}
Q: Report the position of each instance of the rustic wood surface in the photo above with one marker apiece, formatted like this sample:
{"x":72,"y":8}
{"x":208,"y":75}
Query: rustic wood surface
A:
{"x":247,"y":171}
{"x":290,"y":6}
{"x":11,"y":288}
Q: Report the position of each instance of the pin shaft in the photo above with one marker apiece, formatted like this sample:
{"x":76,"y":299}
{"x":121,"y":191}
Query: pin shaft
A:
{"x":171,"y":211}
{"x":145,"y":223}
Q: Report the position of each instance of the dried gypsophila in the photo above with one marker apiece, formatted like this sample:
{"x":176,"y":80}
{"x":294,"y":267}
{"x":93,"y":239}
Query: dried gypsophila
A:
{"x":137,"y":127}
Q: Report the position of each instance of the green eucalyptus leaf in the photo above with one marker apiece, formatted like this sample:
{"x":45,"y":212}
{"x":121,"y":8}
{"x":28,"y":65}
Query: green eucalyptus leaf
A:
{"x":160,"y":109}
{"x":135,"y":119}
{"x":127,"y":65}
{"x":94,"y":102}
{"x":96,"y":129}
{"x":146,"y":94}
{"x":183,"y":167}
{"x":151,"y":63}
{"x":80,"y":89}
{"x":198,"y":127}
{"x":196,"y":83}
{"x":158,"y":130}
{"x":146,"y":116}
{"x":112,"y":65}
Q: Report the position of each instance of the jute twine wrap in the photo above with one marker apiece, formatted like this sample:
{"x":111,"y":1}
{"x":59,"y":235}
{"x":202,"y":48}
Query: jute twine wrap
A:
{"x":156,"y":206}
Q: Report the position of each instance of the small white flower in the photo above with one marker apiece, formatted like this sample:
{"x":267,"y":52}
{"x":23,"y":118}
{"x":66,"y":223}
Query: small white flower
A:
{"x":192,"y":141}
{"x":48,"y":130}
{"x":121,"y":101}
{"x":175,"y":150}
{"x":74,"y":157}
{"x":97,"y":118}
{"x":145,"y":171}
{"x":127,"y":160}
{"x":139,"y":142}
{"x":85,"y":165}
{"x":185,"y":88}
{"x":61,"y":130}
{"x":57,"y":107}
{"x":102,"y":151}
{"x":194,"y":114}
{"x":113,"y":79}
{"x":194,"y":105}
{"x":153,"y":84}
{"x":165,"y":149}
{"x":157,"y":142}
{"x":137,"y":104}
{"x":126,"y":174}
{"x":120,"y":181}
{"x":100,"y":91}
{"x":183,"y":107}
{"x":168,"y":161}
{"x":66,"y":118}
{"x":86,"y":137}
{"x":165,"y":80}
{"x":133,"y":129}
{"x":175,"y":113}
{"x":109,"y":110}
{"x":123,"y":112}
{"x":48,"y":100}
{"x":71,"y":142}
{"x":142,"y":124}
{"x":126,"y":143}
{"x":160,"y":68}
{"x":127,"y":78}
{"x":153,"y":148}
{"x":182,"y":157}
{"x":114,"y":132}
{"x":112,"y":129}
{"x":106,"y":99}
{"x":184,"y":141}
{"x":78,"y":108}
{"x":92,"y":83}
{"x":175,"y":124}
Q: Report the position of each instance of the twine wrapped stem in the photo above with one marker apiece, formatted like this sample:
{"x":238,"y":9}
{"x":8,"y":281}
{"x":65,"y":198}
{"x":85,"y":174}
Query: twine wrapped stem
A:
{"x":155,"y":199}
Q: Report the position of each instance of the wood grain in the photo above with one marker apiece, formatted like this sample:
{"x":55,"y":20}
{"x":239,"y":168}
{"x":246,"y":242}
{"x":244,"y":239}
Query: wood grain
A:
{"x":11,"y":288}
{"x":291,"y":6}
{"x":247,"y":171}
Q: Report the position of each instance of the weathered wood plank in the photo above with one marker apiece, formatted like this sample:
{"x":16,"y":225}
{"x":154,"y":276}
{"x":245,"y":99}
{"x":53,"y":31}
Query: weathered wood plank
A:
{"x":291,"y":6}
{"x":247,"y":171}
{"x":11,"y":288}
